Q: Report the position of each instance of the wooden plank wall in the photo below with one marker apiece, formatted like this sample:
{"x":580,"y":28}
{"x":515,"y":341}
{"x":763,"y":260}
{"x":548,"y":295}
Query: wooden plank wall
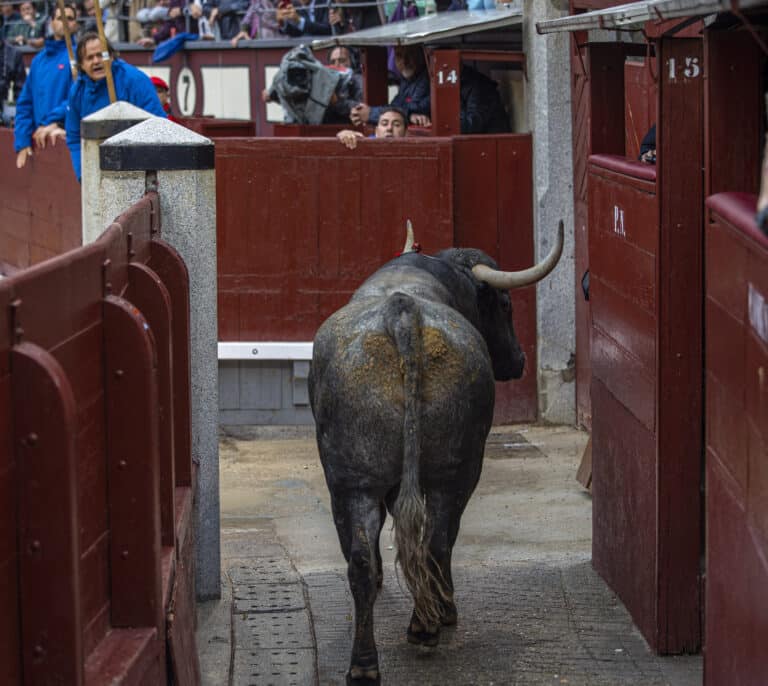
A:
{"x":86,"y":494}
{"x":40,"y":207}
{"x":737,"y":443}
{"x":493,"y":211}
{"x":736,"y":317}
{"x":623,"y":248}
{"x":302,"y":222}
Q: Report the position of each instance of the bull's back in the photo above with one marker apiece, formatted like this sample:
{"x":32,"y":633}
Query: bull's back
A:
{"x":357,"y":390}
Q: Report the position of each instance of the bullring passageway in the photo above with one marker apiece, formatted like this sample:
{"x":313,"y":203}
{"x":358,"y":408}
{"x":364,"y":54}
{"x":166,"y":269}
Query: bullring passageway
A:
{"x":531,"y":609}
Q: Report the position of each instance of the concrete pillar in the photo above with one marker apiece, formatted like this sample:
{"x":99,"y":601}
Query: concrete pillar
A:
{"x":94,"y":130}
{"x":549,"y":110}
{"x":181,"y":163}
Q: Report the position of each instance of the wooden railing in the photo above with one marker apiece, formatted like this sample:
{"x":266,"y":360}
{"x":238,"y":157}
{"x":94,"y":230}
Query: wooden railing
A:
{"x":96,"y":478}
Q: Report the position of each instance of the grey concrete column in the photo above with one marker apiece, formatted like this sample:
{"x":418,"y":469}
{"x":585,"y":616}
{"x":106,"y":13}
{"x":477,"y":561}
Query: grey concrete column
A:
{"x":97,"y":210}
{"x":549,"y":109}
{"x":182,"y":162}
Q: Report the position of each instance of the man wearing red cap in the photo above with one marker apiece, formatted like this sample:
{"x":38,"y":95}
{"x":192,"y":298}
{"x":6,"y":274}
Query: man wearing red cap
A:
{"x":163,"y":92}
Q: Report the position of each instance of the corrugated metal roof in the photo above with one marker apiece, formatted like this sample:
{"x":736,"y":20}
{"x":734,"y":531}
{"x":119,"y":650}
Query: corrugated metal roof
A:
{"x":670,"y":9}
{"x":621,"y":16}
{"x":635,"y":14}
{"x":428,"y":28}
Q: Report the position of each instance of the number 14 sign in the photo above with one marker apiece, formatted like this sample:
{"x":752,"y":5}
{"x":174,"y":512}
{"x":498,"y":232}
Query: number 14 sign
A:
{"x":447,"y":77}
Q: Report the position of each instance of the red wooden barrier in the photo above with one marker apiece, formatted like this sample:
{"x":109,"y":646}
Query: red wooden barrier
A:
{"x":623,"y":248}
{"x":88,"y":453}
{"x":737,"y":443}
{"x":40,"y":208}
{"x":645,"y":529}
{"x":302,"y":222}
{"x":211,"y":127}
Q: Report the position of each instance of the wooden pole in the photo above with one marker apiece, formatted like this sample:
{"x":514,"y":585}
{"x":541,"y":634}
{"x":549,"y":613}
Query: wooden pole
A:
{"x":105,"y":56}
{"x":68,"y":39}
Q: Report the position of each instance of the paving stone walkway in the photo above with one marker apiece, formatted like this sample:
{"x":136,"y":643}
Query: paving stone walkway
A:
{"x":532,"y":610}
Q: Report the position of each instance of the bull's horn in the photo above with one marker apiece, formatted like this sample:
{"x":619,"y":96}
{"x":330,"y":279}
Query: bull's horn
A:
{"x":509,"y":280}
{"x":408,"y":247}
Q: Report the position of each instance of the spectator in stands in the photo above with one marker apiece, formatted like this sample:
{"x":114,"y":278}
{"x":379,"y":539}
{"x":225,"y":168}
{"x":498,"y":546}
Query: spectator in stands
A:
{"x":345,"y":19}
{"x":340,"y":56}
{"x":42,"y":105}
{"x":392,"y":123}
{"x":152,"y":17}
{"x":89,"y":93}
{"x":482,"y":110}
{"x":28,"y":31}
{"x":310,"y":19}
{"x":10,"y":18}
{"x":260,"y":21}
{"x":413,"y":96}
{"x":111,"y":14}
{"x":648,"y":146}
{"x":349,"y":90}
{"x":87,"y":16}
{"x":178,"y":13}
{"x":227,"y":14}
{"x":164,"y":95}
{"x":11,"y":72}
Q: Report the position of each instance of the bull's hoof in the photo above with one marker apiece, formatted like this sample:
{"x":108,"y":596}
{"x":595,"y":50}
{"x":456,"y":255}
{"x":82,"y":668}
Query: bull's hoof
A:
{"x":420,"y":635}
{"x":449,"y":615}
{"x":359,"y":676}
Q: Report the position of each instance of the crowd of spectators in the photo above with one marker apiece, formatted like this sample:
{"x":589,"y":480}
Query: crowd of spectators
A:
{"x":50,"y":92}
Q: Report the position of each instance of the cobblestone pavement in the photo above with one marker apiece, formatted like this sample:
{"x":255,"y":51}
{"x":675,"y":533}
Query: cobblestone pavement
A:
{"x":529,"y":612}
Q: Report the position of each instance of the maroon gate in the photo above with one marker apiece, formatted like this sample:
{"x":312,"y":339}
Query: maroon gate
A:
{"x":96,"y":550}
{"x":737,"y":443}
{"x":646,"y":346}
{"x":302,"y":222}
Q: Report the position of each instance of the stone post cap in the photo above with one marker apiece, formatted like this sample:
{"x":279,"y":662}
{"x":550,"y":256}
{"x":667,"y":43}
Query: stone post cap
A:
{"x":156,"y":144}
{"x":112,"y":119}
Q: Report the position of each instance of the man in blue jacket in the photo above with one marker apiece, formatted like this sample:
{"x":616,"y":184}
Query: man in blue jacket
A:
{"x":89,"y":93}
{"x":42,"y":104}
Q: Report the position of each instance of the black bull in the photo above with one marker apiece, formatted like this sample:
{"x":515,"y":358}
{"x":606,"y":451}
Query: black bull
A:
{"x":402,"y":390}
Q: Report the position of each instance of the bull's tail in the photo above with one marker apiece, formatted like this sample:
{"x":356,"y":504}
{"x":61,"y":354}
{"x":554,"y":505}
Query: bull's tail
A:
{"x":412,"y":528}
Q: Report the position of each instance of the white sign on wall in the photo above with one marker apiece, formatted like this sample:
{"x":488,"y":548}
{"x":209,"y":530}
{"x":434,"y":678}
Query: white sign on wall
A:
{"x":186,"y":92}
{"x":226,"y":92}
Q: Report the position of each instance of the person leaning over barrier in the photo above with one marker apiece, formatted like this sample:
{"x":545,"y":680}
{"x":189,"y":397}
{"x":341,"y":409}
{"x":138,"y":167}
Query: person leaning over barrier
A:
{"x":89,"y":93}
{"x":392,"y":124}
{"x":42,"y":105}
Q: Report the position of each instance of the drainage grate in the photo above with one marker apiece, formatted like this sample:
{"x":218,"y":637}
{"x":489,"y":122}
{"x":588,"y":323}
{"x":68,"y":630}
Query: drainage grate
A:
{"x":268,"y":598}
{"x":278,"y":630}
{"x":274,"y":667}
{"x":263,"y":570}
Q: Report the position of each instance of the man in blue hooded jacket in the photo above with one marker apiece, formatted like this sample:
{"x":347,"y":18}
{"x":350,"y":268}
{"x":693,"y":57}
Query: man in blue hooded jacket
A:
{"x":42,"y":104}
{"x":89,"y":93}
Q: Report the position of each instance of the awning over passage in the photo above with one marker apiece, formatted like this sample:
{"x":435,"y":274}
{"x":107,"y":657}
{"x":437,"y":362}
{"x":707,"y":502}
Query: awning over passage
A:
{"x":634,"y":14}
{"x":428,"y":28}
